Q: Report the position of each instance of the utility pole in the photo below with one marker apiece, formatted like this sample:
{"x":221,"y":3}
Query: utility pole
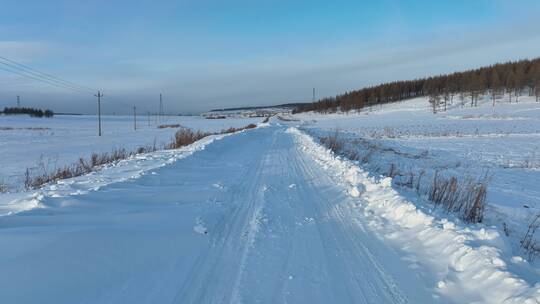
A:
{"x":135,"y":118}
{"x":160,"y":107}
{"x":313,"y":94}
{"x":148,"y":115}
{"x":99,"y":95}
{"x":18,"y":101}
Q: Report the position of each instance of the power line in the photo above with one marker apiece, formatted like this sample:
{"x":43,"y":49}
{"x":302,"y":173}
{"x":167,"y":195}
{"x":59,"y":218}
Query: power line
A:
{"x":28,"y":72}
{"x":116,"y":101}
{"x":11,"y":70}
{"x":44,"y":74}
{"x":34,"y":76}
{"x":12,"y":66}
{"x":22,"y":67}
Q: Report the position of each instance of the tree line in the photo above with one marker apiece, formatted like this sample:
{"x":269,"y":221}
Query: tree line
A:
{"x":30,"y":111}
{"x":511,"y":79}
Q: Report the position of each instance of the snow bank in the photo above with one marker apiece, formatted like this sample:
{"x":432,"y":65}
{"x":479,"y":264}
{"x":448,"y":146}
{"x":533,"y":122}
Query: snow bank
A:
{"x":470,"y":262}
{"x":130,"y":168}
{"x":495,"y":145}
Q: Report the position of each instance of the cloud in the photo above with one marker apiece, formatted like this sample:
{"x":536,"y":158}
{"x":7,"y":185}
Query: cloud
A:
{"x":24,"y":50}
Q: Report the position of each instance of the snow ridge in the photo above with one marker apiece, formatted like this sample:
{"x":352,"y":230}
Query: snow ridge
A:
{"x":465,"y":260}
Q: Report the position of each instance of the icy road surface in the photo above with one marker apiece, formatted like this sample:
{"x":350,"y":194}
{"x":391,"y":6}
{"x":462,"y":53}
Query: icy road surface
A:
{"x":252,"y":218}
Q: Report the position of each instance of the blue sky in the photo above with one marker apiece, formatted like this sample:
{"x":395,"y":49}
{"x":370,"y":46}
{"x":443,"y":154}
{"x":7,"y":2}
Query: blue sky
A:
{"x":212,"y":54}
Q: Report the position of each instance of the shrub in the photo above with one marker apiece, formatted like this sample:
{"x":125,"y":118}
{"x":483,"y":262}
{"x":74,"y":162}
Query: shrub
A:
{"x":181,"y":138}
{"x":333,"y":142}
{"x":81,"y":167}
{"x":468,"y":199}
{"x":172,"y":126}
{"x":186,"y":137}
{"x":3,"y":187}
{"x":528,"y":242}
{"x":232,"y":130}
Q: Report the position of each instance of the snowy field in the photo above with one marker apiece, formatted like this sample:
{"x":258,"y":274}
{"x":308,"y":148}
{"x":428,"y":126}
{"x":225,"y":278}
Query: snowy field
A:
{"x":34,"y":143}
{"x":262,"y":216}
{"x":406,"y":140}
{"x":269,"y":215}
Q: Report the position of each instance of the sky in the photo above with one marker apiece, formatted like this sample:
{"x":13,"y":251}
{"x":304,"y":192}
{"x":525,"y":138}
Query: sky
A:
{"x":204,"y":54}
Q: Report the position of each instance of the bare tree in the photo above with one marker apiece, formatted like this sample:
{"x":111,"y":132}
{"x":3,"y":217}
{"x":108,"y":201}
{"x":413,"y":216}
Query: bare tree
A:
{"x":519,"y":81}
{"x":536,"y":81}
{"x":495,"y":86}
{"x":507,"y":78}
{"x":510,"y":84}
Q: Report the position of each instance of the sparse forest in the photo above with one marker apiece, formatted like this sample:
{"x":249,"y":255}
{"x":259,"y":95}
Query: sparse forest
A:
{"x":30,"y":111}
{"x":506,"y":81}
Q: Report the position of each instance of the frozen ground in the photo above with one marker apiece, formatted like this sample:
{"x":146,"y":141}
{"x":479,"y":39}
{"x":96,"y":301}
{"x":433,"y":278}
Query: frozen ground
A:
{"x":262,"y":216}
{"x":407,"y":139}
{"x":34,"y":143}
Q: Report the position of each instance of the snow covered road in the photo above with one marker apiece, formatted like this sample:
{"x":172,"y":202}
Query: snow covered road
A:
{"x":284,"y":237}
{"x":252,"y":218}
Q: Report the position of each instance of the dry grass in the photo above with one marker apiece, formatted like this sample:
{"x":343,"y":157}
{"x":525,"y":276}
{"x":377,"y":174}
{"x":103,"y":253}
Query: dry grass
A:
{"x":170,"y":126}
{"x":181,"y":138}
{"x":334,"y":142}
{"x":529,"y":242}
{"x":186,"y":137}
{"x":232,"y":130}
{"x":465,"y":197}
{"x":34,"y":180}
{"x":3,"y":187}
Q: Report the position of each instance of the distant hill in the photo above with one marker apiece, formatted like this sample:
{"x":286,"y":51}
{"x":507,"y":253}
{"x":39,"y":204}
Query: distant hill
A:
{"x":511,"y":78}
{"x":286,"y":105}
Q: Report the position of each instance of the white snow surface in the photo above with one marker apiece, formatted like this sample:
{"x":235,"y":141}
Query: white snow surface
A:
{"x":48,"y":143}
{"x":407,"y":139}
{"x":468,"y":262}
{"x":221,"y":222}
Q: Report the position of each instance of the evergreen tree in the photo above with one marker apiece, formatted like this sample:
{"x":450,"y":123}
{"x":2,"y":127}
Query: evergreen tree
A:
{"x":30,"y":111}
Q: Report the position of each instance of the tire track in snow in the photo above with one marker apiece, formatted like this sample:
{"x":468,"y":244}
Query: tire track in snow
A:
{"x":280,"y":230}
{"x":460,"y":270}
{"x":308,"y":250}
{"x":343,"y":234}
{"x":321,"y":260}
{"x":211,"y":282}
